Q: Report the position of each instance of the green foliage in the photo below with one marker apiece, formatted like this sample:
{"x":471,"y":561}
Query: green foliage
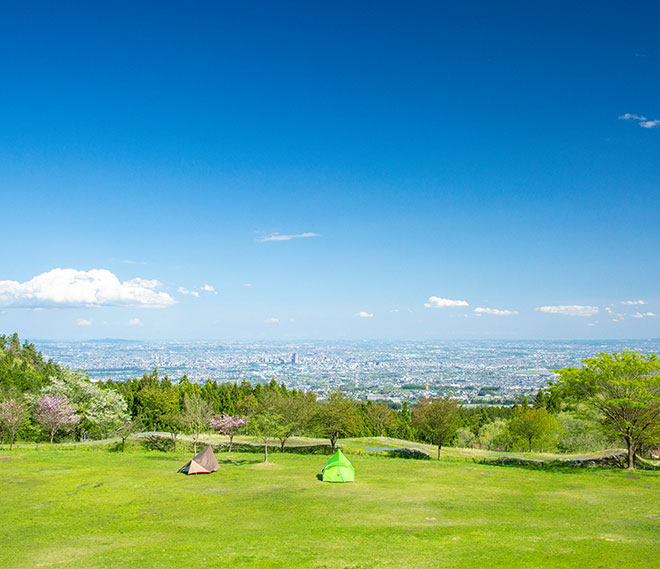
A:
{"x":336,"y":417}
{"x":196,"y":416}
{"x":22,"y":367}
{"x":380,"y":418}
{"x":624,"y":389}
{"x":437,"y":420}
{"x":465,"y":438}
{"x":580,"y":432}
{"x":493,"y":435}
{"x":102,"y":411}
{"x":531,"y":429}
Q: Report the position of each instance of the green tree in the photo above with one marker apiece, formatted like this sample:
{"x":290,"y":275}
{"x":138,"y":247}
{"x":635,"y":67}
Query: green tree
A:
{"x":196,"y":417}
{"x":267,"y":424}
{"x":535,"y":428}
{"x":102,"y":411}
{"x":294,"y":411}
{"x":154,"y":402}
{"x":128,"y":428}
{"x":624,"y":388}
{"x":381,"y":416}
{"x":581,"y":432}
{"x":436,"y":420}
{"x":492,"y":435}
{"x":465,"y":438}
{"x":173,"y":424}
{"x":336,"y":417}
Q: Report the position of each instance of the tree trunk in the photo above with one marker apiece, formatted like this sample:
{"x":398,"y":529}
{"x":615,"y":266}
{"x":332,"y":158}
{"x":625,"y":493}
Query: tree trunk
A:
{"x":333,"y":442}
{"x":282,"y":443}
{"x":11,"y":442}
{"x":174,"y":441}
{"x":266,"y":450}
{"x":231,"y":442}
{"x":530,"y":444}
{"x":123,"y":439}
{"x":631,"y":454}
{"x":194,"y":446}
{"x":439,"y":447}
{"x":52,"y":433}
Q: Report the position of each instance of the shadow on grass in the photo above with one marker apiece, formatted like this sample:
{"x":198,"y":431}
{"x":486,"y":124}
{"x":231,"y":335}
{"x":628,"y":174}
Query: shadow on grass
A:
{"x":239,"y":462}
{"x":554,"y":466}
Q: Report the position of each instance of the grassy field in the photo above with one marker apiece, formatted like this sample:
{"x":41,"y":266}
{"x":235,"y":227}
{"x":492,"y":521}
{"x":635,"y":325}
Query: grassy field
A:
{"x":89,"y":509}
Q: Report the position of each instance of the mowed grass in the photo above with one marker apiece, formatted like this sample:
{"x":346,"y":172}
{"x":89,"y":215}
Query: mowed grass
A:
{"x":89,"y":509}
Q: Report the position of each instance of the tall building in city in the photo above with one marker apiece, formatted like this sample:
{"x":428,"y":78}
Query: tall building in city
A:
{"x":295,"y":359}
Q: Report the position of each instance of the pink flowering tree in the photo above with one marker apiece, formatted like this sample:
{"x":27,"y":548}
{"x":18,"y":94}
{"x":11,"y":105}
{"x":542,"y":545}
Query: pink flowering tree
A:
{"x":228,"y":425}
{"x":13,"y":415}
{"x":55,"y":413}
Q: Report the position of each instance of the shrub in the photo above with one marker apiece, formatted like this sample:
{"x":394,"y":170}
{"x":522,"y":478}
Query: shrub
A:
{"x":409,"y":453}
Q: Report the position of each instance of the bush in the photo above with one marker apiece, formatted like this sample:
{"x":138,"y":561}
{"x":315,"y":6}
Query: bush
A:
{"x":157,"y":442}
{"x":579,"y":433}
{"x":465,"y":438}
{"x":408,"y":453}
{"x":493,"y":435}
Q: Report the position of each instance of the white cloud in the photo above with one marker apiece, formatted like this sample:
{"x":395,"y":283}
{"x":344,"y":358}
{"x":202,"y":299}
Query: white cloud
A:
{"x":271,"y":320}
{"x":494,"y":311}
{"x":248,"y":285}
{"x":632,"y":302}
{"x":278,"y":237}
{"x":643,"y":315}
{"x":437,"y":302}
{"x":569,"y":310}
{"x":83,"y":322}
{"x":208,"y":288}
{"x":364,"y":314}
{"x":630,"y":116}
{"x":135,"y":322}
{"x":185,"y":291}
{"x":643,"y":121}
{"x":132,"y":262}
{"x":72,"y":288}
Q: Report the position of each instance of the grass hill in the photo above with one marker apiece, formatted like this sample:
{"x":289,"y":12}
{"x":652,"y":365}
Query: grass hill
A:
{"x":65,"y":507}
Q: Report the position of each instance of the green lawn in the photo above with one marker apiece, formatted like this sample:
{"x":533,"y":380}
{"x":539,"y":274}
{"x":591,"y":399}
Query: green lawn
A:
{"x":84,"y":508}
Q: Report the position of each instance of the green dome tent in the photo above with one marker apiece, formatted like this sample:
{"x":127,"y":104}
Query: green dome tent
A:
{"x":338,"y":469}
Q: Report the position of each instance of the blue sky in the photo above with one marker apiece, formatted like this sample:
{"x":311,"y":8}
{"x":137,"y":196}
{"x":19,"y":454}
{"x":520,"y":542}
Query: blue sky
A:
{"x":465,"y":156}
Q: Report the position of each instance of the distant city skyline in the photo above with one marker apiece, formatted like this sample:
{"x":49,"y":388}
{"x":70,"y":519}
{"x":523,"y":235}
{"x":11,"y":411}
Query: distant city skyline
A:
{"x":394,"y":371}
{"x":293,"y":171}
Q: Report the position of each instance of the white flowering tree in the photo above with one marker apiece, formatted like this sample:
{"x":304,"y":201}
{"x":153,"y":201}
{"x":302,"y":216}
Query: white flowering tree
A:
{"x":101,"y":411}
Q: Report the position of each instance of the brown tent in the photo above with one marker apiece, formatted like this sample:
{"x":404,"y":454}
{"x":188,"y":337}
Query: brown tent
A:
{"x":202,"y":463}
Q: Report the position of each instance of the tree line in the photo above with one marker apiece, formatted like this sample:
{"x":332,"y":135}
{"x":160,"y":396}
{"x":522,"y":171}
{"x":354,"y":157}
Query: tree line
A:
{"x":610,"y":399}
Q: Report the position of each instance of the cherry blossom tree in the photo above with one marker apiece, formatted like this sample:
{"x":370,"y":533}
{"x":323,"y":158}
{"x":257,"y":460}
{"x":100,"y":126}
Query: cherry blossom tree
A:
{"x":13,"y":415}
{"x":228,"y":425}
{"x":55,"y":413}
